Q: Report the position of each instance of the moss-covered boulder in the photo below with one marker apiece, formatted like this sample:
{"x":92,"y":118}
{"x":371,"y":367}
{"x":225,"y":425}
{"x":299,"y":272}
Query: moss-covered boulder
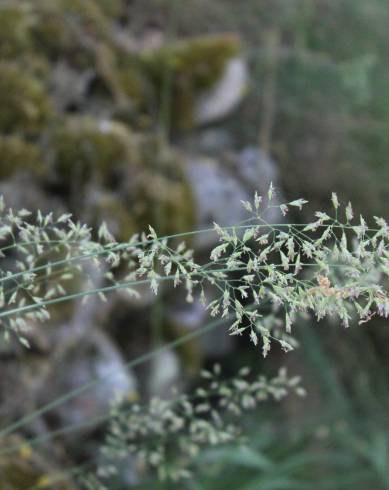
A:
{"x":111,"y":8}
{"x":14,"y":30}
{"x":72,"y":29}
{"x":23,"y":101}
{"x":53,"y":37}
{"x":145,"y":173}
{"x":85,"y":148}
{"x":186,"y":69}
{"x":157,"y":191}
{"x":17,"y":154}
{"x":92,"y":10}
{"x":132,"y":80}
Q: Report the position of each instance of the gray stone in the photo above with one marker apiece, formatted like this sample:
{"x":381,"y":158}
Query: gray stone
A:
{"x":257,"y":171}
{"x":217,"y":194}
{"x":70,"y":86}
{"x":220,"y":186}
{"x":208,"y":141}
{"x":193,"y":316}
{"x":164,"y":373}
{"x":95,"y":357}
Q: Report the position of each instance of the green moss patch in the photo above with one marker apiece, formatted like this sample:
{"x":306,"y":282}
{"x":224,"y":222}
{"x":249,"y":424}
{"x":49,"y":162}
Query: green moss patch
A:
{"x":23,"y":101}
{"x":85,"y":148}
{"x":17,"y":154}
{"x":14,"y":31}
{"x":186,"y":69}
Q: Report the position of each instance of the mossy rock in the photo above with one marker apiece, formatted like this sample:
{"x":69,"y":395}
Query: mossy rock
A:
{"x":17,"y":154}
{"x":111,"y":8}
{"x":158,"y":193}
{"x":187,"y":69}
{"x":149,"y":175}
{"x":131,"y":78}
{"x":85,"y":149}
{"x":23,"y":101}
{"x":53,"y":37}
{"x":93,"y":10}
{"x":55,"y":31}
{"x":58,"y":23}
{"x":92,"y":14}
{"x":14,"y":30}
{"x":25,"y":469}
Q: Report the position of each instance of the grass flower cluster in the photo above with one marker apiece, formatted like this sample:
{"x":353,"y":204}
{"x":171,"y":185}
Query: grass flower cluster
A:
{"x":261,"y":278}
{"x":327,"y":267}
{"x":166,"y":435}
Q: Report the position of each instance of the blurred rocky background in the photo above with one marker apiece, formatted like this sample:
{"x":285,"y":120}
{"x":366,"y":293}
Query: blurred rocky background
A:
{"x":169,"y":113}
